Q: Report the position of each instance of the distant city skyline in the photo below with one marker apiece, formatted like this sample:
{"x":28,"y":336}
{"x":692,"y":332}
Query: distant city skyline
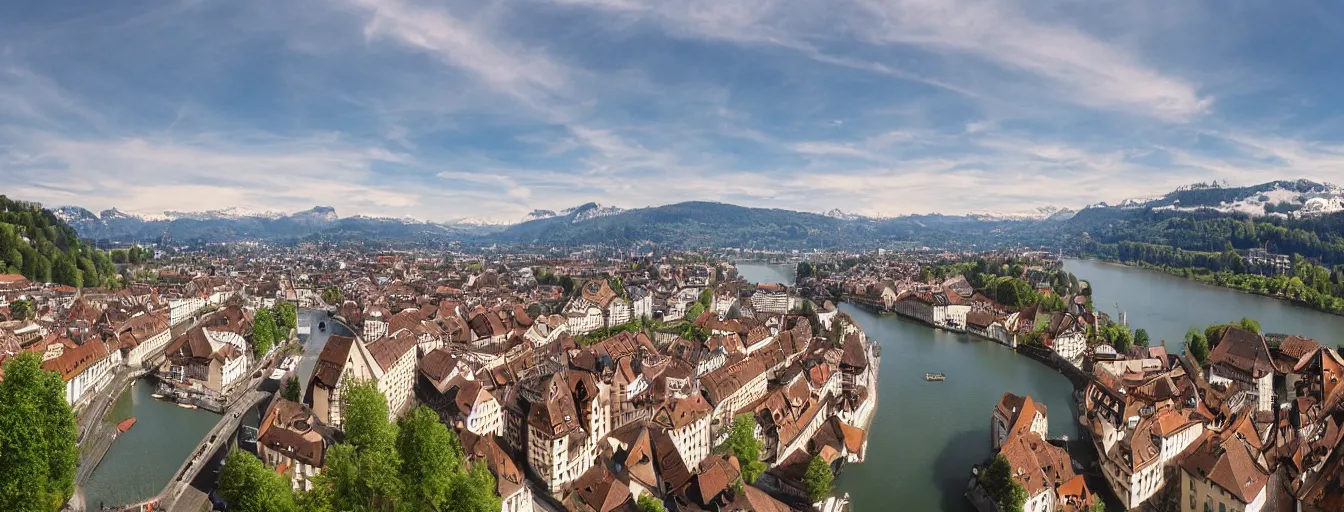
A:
{"x":449,"y":110}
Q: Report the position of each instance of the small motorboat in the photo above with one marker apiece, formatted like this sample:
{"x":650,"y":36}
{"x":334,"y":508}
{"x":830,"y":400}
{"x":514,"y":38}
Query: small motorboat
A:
{"x":935,"y":376}
{"x":158,"y":396}
{"x":125,"y":425}
{"x":186,"y":406}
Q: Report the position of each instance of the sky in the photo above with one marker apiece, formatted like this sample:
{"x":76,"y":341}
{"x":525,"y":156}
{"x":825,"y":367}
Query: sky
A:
{"x":445,"y":110}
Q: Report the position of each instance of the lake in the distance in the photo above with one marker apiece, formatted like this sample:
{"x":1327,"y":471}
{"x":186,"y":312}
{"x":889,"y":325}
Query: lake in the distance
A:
{"x":1167,"y":306}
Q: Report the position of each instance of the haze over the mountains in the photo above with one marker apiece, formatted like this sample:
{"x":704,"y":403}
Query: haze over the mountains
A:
{"x":705,"y":223}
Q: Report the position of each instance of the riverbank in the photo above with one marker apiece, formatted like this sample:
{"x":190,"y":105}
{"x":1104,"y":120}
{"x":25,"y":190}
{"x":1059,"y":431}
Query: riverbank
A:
{"x":1209,"y":278}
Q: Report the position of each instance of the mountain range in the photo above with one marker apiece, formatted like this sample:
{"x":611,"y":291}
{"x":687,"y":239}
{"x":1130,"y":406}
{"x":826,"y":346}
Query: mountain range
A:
{"x":706,"y":224}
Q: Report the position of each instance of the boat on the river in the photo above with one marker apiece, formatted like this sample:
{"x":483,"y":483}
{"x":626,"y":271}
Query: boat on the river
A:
{"x":125,"y":425}
{"x":187,"y":406}
{"x":156,"y":395}
{"x":935,"y":376}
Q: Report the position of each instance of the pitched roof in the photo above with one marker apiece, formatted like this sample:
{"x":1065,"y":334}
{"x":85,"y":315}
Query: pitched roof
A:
{"x":331,"y":362}
{"x":1243,"y":350}
{"x":1230,"y":464}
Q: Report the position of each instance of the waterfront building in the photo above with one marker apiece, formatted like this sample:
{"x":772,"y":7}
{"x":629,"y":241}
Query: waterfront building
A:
{"x":86,"y":368}
{"x":143,"y":335}
{"x":1243,"y":356}
{"x":1017,"y":414}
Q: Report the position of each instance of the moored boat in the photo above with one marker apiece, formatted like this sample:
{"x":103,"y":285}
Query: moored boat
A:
{"x":125,"y":425}
{"x":186,"y":406}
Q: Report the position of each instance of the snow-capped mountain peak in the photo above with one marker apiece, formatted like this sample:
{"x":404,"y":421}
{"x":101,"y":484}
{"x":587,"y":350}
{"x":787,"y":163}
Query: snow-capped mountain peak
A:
{"x":837,"y":213}
{"x":1038,"y":213}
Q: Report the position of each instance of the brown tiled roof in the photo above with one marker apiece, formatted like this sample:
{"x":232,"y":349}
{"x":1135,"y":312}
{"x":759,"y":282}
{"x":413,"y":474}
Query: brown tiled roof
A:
{"x":1230,"y":464}
{"x":437,"y":364}
{"x":331,"y":362}
{"x":389,"y":349}
{"x":723,"y":382}
{"x":75,"y":359}
{"x":1243,"y":350}
{"x":291,"y":428}
{"x":600,"y":490}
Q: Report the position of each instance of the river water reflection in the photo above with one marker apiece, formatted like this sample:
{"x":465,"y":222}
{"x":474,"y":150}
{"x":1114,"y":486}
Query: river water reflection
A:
{"x":141,"y":461}
{"x":1167,"y":306}
{"x":926,"y":435}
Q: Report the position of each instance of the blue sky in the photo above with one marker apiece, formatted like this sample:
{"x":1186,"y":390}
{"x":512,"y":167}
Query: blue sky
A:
{"x":443,"y":110}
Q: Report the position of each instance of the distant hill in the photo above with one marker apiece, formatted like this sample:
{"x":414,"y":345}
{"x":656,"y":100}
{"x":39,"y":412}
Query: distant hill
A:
{"x":42,"y":247}
{"x":706,"y":224}
{"x":1198,"y":216}
{"x":114,"y":226}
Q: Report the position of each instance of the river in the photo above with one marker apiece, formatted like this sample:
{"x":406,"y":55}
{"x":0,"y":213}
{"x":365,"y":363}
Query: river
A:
{"x":926,"y":435}
{"x":140,"y":462}
{"x":1167,"y":306}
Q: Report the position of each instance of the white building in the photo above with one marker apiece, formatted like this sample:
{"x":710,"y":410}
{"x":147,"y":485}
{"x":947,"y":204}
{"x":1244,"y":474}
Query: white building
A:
{"x":85,"y":368}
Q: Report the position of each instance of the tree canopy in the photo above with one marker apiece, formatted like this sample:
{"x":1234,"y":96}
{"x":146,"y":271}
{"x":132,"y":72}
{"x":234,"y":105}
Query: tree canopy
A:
{"x":414,"y":465}
{"x":333,"y":295}
{"x":648,"y":503}
{"x":42,"y":247}
{"x":264,"y":334}
{"x":742,"y":443}
{"x":37,"y":437}
{"x":819,"y":478}
{"x":286,"y":317}
{"x":246,"y":484}
{"x":1197,"y":346}
{"x":999,"y":483}
{"x":292,"y":392}
{"x":21,"y":309}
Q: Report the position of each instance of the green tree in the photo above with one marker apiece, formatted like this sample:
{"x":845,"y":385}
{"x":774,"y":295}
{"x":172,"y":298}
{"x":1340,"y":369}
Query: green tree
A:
{"x":365,"y":472}
{"x":819,"y":479}
{"x":366,"y":416}
{"x":648,"y":503}
{"x":1014,"y":500}
{"x":21,"y":309}
{"x":742,"y":443}
{"x":430,"y":460}
{"x":286,"y":317}
{"x":694,"y":311}
{"x":998,"y":482}
{"x":333,"y":295}
{"x":1249,"y":324}
{"x":292,"y":391}
{"x":37,"y":437}
{"x":1098,"y":506}
{"x":263,"y":332}
{"x":248,"y":486}
{"x":475,"y":491}
{"x":1214,"y":333}
{"x":1141,"y":337}
{"x":1197,"y":346}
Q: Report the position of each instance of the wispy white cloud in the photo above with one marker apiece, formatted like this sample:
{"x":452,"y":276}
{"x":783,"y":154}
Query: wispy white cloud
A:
{"x":469,"y":109}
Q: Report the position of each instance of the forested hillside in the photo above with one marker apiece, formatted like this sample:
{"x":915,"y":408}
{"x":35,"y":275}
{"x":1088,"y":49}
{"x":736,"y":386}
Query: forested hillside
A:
{"x":43,"y":248}
{"x":1097,"y":231}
